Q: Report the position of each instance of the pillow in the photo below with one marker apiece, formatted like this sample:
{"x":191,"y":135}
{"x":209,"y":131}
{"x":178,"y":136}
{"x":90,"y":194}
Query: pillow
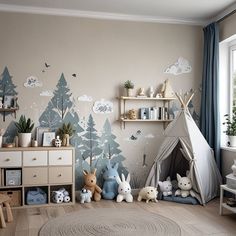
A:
{"x":184,"y":200}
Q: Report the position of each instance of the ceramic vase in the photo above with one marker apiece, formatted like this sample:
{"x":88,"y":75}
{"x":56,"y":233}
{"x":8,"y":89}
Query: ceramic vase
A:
{"x":232,"y":141}
{"x":24,"y":139}
{"x":233,"y":167}
{"x":0,"y":141}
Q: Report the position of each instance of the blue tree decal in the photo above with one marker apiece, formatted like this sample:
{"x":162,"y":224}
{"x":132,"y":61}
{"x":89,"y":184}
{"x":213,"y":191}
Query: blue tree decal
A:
{"x":91,"y":143}
{"x":6,"y":85}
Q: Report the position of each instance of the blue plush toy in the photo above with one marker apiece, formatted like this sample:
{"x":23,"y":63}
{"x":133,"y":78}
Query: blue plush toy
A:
{"x":110,"y":186}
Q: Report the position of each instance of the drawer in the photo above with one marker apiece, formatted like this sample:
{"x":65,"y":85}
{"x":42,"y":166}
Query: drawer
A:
{"x":35,"y":175}
{"x":59,"y":175}
{"x":35,"y":158}
{"x":63,"y":157}
{"x":10,"y":159}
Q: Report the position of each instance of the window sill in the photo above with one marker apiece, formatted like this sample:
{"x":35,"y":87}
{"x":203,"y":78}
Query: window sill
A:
{"x":231,"y":149}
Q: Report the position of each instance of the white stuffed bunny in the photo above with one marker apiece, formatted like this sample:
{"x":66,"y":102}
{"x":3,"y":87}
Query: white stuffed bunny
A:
{"x":124,"y":189}
{"x":185,"y":185}
{"x":166,"y":187}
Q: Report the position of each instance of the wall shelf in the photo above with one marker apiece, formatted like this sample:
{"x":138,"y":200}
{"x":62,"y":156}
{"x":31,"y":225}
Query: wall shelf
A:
{"x":122,"y":108}
{"x":8,"y":110}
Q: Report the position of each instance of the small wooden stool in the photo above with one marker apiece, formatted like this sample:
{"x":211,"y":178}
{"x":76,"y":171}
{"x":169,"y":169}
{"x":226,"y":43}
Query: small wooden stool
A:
{"x":4,"y":200}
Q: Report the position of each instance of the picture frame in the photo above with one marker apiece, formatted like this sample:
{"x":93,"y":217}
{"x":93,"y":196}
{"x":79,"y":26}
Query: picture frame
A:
{"x":39,"y":134}
{"x":48,"y":138}
{"x":8,"y":101}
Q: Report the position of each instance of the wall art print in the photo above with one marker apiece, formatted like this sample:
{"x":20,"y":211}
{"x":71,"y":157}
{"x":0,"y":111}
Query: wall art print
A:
{"x":91,"y":150}
{"x":180,"y":67}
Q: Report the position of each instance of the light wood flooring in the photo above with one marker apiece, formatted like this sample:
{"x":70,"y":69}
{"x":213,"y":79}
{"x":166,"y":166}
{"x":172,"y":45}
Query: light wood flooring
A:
{"x":193,"y":220}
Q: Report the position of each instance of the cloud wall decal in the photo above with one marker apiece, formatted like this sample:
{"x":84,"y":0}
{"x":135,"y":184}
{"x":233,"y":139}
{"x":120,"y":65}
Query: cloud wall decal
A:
{"x":32,"y":82}
{"x":180,"y":67}
{"x":85,"y":98}
{"x":103,"y":107}
{"x":46,"y":93}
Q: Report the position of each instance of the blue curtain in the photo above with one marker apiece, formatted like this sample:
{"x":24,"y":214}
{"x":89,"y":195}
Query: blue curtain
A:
{"x":209,"y":118}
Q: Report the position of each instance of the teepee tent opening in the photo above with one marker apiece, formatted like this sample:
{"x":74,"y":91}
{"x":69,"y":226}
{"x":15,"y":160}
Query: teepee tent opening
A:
{"x":184,"y":148}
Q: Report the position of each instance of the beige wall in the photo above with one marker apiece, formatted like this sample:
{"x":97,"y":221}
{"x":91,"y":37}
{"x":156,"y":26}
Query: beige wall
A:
{"x":227,"y":27}
{"x":104,"y":54}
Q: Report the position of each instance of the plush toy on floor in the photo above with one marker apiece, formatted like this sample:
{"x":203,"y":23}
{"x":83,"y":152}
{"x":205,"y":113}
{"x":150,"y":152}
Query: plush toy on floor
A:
{"x":185,"y":186}
{"x":90,"y":184}
{"x":85,"y":195}
{"x":148,"y":193}
{"x":124,"y":189}
{"x":166,"y":187}
{"x":110,"y":186}
{"x":60,"y":196}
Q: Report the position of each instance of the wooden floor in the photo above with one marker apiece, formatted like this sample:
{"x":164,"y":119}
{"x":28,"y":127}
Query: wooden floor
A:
{"x":193,"y":220}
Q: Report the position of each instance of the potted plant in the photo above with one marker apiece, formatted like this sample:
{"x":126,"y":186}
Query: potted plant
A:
{"x":65,"y":132}
{"x":129,"y":86}
{"x":231,"y":128}
{"x":24,"y":128}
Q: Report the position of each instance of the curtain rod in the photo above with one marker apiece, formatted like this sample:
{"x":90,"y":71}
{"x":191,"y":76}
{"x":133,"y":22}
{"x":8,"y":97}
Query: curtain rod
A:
{"x":226,"y":16}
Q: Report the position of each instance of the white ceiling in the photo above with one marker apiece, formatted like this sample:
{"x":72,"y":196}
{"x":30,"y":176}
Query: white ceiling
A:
{"x":185,"y":11}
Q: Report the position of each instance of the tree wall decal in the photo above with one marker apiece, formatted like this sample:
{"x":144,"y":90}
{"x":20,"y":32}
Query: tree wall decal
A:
{"x":6,"y":85}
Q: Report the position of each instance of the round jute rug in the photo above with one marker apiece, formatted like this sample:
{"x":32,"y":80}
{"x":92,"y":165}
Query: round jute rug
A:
{"x":110,"y":221}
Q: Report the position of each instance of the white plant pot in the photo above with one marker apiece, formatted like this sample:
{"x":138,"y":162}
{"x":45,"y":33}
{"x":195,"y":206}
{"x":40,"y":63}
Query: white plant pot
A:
{"x":130,"y":92}
{"x":24,"y":139}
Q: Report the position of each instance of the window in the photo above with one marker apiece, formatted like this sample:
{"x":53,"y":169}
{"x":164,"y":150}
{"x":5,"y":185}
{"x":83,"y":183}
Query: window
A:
{"x":233,"y":77}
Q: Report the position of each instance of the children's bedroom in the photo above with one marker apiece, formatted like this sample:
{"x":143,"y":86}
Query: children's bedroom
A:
{"x":117,"y":117}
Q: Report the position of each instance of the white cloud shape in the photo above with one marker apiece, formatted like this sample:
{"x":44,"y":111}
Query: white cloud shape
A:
{"x":180,"y":67}
{"x":46,"y":93}
{"x":103,"y":107}
{"x":149,"y":136}
{"x":32,"y":82}
{"x":85,"y":98}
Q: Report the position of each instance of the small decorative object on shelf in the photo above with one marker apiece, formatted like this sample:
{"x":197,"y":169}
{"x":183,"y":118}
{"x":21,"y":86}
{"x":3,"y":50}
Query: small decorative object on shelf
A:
{"x":167,"y":90}
{"x":132,"y":114}
{"x":151,"y":92}
{"x":141,"y":93}
{"x":65,"y":132}
{"x":233,"y":167}
{"x":129,"y":86}
{"x":57,"y":142}
{"x":1,"y":102}
{"x":1,"y":136}
{"x":34,"y":143}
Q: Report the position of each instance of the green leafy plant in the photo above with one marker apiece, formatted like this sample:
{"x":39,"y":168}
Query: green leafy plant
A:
{"x":128,"y":84}
{"x":65,"y":129}
{"x":230,"y":124}
{"x":24,"y":125}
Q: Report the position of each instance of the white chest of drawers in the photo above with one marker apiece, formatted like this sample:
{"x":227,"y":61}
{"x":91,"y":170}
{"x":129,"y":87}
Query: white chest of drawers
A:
{"x":48,"y":168}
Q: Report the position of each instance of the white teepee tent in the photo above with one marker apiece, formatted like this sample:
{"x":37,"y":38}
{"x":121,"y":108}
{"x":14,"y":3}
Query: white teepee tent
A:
{"x":184,"y":148}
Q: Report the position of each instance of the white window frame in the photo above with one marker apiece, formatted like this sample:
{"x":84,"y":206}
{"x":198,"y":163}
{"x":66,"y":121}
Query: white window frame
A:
{"x":231,"y":85}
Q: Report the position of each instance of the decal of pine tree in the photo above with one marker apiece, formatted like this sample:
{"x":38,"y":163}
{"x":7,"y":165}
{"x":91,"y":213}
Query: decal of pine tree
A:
{"x":6,"y":85}
{"x":61,"y":109}
{"x":61,"y":99}
{"x":111,"y":148}
{"x":50,"y":118}
{"x":91,"y":143}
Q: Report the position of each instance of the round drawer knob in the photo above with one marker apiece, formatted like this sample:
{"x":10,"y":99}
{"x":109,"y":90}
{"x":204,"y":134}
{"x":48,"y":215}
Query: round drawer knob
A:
{"x":8,"y":159}
{"x":60,"y":158}
{"x":34,"y":175}
{"x":59,"y":175}
{"x":34,"y":159}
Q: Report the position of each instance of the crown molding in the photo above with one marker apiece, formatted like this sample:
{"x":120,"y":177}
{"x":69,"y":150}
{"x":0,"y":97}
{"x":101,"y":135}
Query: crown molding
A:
{"x":96,"y":15}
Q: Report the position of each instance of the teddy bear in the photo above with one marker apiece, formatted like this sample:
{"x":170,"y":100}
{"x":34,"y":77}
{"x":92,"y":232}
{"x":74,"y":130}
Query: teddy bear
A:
{"x":166,"y":187}
{"x":148,"y":193}
{"x":185,"y":186}
{"x":90,"y":184}
{"x":110,"y":186}
{"x":85,"y":195}
{"x":124,"y":189}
